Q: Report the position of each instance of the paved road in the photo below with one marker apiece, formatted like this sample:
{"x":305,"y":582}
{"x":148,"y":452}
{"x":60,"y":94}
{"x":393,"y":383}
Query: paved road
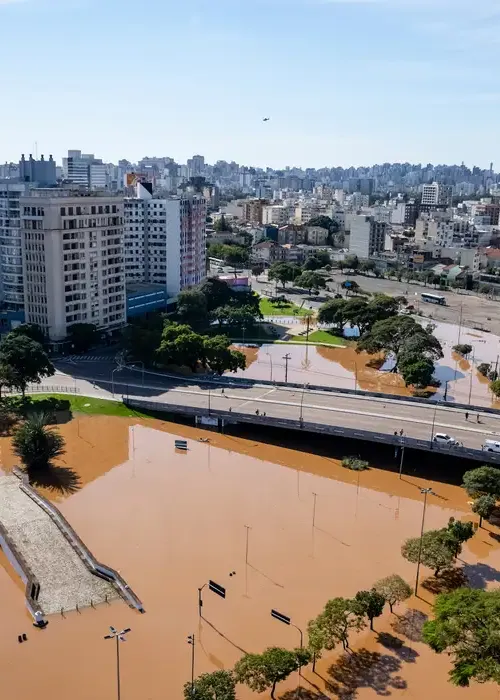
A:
{"x":417,"y":420}
{"x":475,"y":310}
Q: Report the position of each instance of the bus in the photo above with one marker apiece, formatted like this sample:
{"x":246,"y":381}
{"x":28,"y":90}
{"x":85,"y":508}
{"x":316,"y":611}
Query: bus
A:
{"x":433,"y":299}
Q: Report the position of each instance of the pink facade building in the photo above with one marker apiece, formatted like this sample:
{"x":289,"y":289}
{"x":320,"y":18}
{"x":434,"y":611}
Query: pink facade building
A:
{"x":193,"y":240}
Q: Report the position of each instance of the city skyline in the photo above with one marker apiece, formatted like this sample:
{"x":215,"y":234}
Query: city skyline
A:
{"x":344,"y":82}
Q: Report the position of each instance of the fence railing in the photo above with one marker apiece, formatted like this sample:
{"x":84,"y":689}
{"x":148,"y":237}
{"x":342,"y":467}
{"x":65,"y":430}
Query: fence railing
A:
{"x":45,"y":389}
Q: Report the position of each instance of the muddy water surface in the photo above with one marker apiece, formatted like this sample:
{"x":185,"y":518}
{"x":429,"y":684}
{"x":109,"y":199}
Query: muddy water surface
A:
{"x":170,"y":521}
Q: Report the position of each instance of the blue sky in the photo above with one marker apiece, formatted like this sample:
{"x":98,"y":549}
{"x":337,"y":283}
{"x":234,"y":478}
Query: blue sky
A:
{"x":345,"y":82}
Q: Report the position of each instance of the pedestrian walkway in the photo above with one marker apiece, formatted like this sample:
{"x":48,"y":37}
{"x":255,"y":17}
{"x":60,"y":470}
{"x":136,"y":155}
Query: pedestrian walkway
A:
{"x":66,"y":583}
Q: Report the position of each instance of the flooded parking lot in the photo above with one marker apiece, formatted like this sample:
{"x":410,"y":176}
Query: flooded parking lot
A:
{"x":344,"y":368}
{"x":169,"y":521}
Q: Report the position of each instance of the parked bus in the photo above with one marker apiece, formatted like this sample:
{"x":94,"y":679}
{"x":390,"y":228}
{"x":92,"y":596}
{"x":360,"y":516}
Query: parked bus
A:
{"x":433,"y":299}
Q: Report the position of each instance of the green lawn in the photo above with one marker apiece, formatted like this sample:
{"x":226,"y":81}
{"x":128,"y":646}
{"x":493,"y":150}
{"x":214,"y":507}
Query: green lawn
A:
{"x":85,"y":404}
{"x":289,"y":309}
{"x":319,"y":337}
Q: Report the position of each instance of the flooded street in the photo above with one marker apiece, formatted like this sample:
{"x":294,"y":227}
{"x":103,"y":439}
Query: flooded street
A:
{"x":169,"y":521}
{"x":344,"y":368}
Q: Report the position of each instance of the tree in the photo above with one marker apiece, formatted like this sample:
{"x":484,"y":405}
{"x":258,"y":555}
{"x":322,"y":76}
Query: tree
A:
{"x":325,"y":222}
{"x":282,"y":272}
{"x":32,"y":330}
{"x":236,"y":256}
{"x":266,"y":670}
{"x":222,"y":225}
{"x":458,"y":533}
{"x":35,"y":444}
{"x":436,"y":552}
{"x":180,"y":345}
{"x":8,"y":378}
{"x":332,"y":626}
{"x":26,"y":359}
{"x":320,"y":259}
{"x":394,"y":589}
{"x":417,"y":372}
{"x":83,"y":335}
{"x":142,"y":338}
{"x":400,"y":334}
{"x":495,"y":387}
{"x":219,"y":357}
{"x":463,"y":349}
{"x":219,"y":685}
{"x":484,"y":368}
{"x":482,"y":481}
{"x":351,"y":262}
{"x":333,"y":312}
{"x":465,"y":626}
{"x":369,"y":603}
{"x":367,"y":265}
{"x":235,"y":316}
{"x":216,"y":292}
{"x":351,"y":286}
{"x":192,"y":308}
{"x":484,"y":507}
{"x":311,"y":280}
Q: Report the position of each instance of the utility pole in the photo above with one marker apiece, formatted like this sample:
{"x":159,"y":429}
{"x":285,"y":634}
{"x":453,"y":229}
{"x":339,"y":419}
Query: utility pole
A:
{"x":402,"y":458}
{"x":460,"y":322}
{"x":425,"y":492}
{"x":190,"y":640}
{"x":287,"y":357}
{"x":119,"y":637}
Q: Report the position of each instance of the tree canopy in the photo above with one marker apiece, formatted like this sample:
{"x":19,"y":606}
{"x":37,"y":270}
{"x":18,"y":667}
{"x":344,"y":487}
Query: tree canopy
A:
{"x":332,"y":626}
{"x":216,"y":292}
{"x":83,"y":336}
{"x":436,"y":552}
{"x":394,"y":589}
{"x":27,"y":360}
{"x":315,"y":262}
{"x":32,"y":330}
{"x":484,"y":507}
{"x":310,"y":280}
{"x":369,"y":603}
{"x":219,"y":685}
{"x":482,"y":481}
{"x":36,"y":444}
{"x":192,"y":307}
{"x":465,"y":625}
{"x":266,"y":670}
{"x":283,"y":272}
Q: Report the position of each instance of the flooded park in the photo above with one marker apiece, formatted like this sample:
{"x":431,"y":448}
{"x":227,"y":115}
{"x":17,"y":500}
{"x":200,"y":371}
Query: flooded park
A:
{"x":344,"y":368}
{"x":278,"y":528}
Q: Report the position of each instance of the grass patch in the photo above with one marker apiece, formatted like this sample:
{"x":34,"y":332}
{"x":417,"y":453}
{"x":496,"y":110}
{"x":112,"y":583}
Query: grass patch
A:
{"x":87,"y":404}
{"x":267,"y":308}
{"x":320,"y":337}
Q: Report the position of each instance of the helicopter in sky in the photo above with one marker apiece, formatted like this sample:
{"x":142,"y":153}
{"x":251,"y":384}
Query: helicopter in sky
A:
{"x":266,"y":119}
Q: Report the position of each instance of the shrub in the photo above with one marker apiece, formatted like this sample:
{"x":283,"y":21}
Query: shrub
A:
{"x":355,"y":464}
{"x":462,"y":349}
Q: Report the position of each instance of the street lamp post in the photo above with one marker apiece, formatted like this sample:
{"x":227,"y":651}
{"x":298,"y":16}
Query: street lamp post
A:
{"x":302,"y":404}
{"x":286,"y":357}
{"x":471,"y":373}
{"x":287,"y":621}
{"x":402,"y":457}
{"x":433,"y":423}
{"x":190,"y":640}
{"x":116,"y":369}
{"x":271,"y":364}
{"x":120,"y":637}
{"x":425,"y":492}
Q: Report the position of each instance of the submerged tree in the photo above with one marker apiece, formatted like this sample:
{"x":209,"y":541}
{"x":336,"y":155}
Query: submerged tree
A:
{"x":394,"y":589}
{"x":36,"y":444}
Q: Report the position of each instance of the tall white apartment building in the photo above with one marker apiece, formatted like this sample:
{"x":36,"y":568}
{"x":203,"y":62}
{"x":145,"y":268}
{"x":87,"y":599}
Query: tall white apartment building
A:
{"x":73,"y":265}
{"x":165,"y":241}
{"x":85,"y":169}
{"x":367,"y":236}
{"x":275,"y":214}
{"x":430,"y":194}
{"x":11,"y":261}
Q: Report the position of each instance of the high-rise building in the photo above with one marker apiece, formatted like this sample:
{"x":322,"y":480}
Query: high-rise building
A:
{"x":430,"y":194}
{"x":42,"y":172}
{"x":165,"y":239}
{"x":11,"y":263}
{"x":367,"y":236}
{"x":73,"y":268}
{"x":85,"y":169}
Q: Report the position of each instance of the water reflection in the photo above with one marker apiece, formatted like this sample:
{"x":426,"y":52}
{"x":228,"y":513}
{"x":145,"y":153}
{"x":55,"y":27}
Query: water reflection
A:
{"x":169,"y":522}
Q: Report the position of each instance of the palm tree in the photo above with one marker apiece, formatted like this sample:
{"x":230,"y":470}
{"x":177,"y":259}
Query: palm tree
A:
{"x":35,"y":444}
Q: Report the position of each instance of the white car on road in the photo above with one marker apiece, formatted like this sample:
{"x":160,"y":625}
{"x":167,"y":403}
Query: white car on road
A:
{"x":444,"y":439}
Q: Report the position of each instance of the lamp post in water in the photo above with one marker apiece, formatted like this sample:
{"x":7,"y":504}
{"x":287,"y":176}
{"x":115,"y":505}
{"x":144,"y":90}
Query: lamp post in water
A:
{"x":120,"y":637}
{"x":425,"y":493}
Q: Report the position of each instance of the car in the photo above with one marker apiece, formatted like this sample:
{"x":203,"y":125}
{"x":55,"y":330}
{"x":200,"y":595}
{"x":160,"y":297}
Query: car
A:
{"x":444,"y":439}
{"x":491,"y":446}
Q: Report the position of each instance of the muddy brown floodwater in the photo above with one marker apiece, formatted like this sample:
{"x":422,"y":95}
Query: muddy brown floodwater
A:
{"x":170,"y":521}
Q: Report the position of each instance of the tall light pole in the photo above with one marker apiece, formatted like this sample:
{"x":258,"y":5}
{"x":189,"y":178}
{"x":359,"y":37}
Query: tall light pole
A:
{"x":302,"y":403}
{"x":402,"y":457}
{"x":271,"y":364}
{"x":287,"y":357}
{"x":433,"y":423}
{"x":120,"y":637}
{"x":190,"y":640}
{"x":471,"y":373}
{"x":425,"y":492}
{"x":116,"y":369}
{"x":287,"y":621}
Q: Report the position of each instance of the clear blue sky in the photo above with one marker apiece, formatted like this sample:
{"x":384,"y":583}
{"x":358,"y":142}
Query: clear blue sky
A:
{"x":345,"y":82}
